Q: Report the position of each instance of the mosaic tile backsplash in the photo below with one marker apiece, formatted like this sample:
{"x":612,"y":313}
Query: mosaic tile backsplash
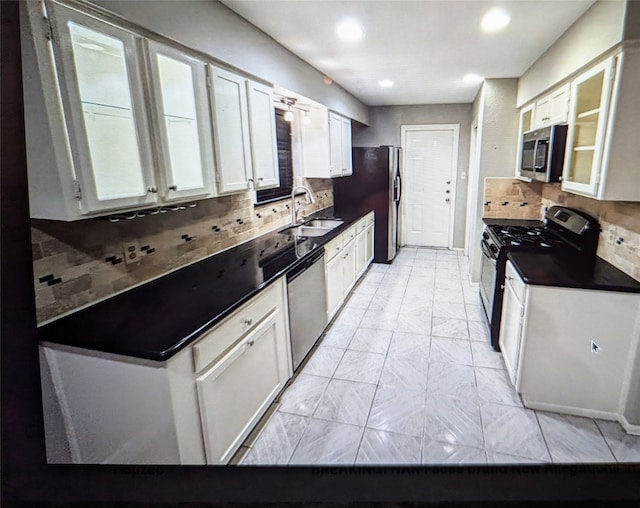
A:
{"x":619,"y":242}
{"x":79,"y":263}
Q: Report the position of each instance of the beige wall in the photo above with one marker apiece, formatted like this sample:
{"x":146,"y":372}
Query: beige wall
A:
{"x":384,"y":129}
{"x":596,"y":31}
{"x":77,"y":252}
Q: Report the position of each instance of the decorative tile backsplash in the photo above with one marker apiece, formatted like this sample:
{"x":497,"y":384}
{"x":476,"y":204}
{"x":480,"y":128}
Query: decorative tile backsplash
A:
{"x":78,"y":263}
{"x":619,"y":242}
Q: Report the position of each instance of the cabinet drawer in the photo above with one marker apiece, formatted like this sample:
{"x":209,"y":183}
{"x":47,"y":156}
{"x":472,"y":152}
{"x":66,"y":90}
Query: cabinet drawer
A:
{"x":349,"y":234}
{"x":512,"y":277}
{"x":362,"y":224}
{"x":233,"y":328}
{"x":332,"y":248}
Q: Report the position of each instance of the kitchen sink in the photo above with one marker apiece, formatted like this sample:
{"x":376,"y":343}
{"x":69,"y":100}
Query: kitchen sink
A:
{"x":305,"y":231}
{"x":324,"y":223}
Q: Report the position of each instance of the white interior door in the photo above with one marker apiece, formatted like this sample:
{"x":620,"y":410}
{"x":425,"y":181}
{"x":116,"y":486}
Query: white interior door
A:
{"x":430,"y":166}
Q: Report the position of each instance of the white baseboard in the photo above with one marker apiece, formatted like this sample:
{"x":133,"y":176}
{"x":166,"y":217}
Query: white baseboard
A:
{"x":577,"y":411}
{"x":629,"y":428}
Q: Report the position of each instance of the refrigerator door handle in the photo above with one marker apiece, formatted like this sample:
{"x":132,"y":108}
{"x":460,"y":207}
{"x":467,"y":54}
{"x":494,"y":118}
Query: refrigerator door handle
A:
{"x":398,"y":188}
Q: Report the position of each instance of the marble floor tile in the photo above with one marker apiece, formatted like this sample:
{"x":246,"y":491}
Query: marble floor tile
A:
{"x":426,"y":253}
{"x":386,"y":303}
{"x":454,"y":421}
{"x":323,"y":361}
{"x":452,"y":273}
{"x":349,"y":316}
{"x":449,"y":327}
{"x":379,"y":320}
{"x":366,"y":288}
{"x":573,"y":439}
{"x":449,"y":309}
{"x":479,"y":331}
{"x":385,"y":448}
{"x":451,"y":379}
{"x":450,"y":351}
{"x":372,"y":340}
{"x":378,"y":268}
{"x":410,"y":344}
{"x":485,"y":356}
{"x":301,"y":398}
{"x":401,"y":271}
{"x":276,"y":442}
{"x":375,"y":277}
{"x":448,"y":295}
{"x":422,"y":295}
{"x":625,"y":447}
{"x":338,"y":335}
{"x":402,"y":371}
{"x":403,"y":260}
{"x":475,"y":313}
{"x":447,"y":284}
{"x":435,"y":452}
{"x":345,"y":402}
{"x":494,"y":385}
{"x":413,"y":323}
{"x":398,"y":410}
{"x":424,"y":270}
{"x":328,"y":443}
{"x":391,"y":290}
{"x":360,"y":366}
{"x":359,"y":301}
{"x":419,"y":281}
{"x":420,"y":304}
{"x":513,"y":430}
{"x":504,"y":458}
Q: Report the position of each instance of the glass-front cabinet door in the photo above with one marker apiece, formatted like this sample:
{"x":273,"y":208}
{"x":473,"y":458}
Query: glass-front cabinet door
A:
{"x":587,"y":123}
{"x":182,"y":122}
{"x":103,"y":98}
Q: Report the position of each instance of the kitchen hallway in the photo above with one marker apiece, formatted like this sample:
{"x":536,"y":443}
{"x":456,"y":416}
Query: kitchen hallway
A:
{"x":405,"y":375}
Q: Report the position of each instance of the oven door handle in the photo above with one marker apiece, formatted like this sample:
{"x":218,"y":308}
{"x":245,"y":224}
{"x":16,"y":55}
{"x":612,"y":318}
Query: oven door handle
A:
{"x":487,"y":251}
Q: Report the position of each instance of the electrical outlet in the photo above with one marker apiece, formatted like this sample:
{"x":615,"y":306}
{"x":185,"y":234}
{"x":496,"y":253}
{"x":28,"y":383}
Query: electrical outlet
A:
{"x":612,"y":234}
{"x":132,"y":253}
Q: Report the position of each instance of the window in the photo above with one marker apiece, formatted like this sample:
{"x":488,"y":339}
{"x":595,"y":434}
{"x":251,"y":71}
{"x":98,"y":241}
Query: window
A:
{"x":285,"y":163}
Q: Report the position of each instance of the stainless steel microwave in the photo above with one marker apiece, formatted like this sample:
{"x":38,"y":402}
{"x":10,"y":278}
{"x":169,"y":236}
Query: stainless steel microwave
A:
{"x":542,"y":153}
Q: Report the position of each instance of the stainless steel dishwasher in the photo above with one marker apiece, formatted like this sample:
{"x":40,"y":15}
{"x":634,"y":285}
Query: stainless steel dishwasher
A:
{"x":306,"y":290}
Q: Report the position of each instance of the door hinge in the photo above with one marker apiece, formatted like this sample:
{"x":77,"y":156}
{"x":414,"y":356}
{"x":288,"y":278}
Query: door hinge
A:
{"x":77,"y":190}
{"x":46,"y":27}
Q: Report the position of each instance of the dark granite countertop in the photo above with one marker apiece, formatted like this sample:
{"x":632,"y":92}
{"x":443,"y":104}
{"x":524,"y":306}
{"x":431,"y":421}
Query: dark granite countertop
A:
{"x":159,"y":318}
{"x":541,"y":269}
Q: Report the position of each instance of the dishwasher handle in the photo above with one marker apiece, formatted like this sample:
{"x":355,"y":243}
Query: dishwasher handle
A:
{"x":312,"y":258}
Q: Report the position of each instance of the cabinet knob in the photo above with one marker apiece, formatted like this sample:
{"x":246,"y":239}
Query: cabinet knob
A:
{"x":248,"y":322}
{"x":153,"y":190}
{"x":260,"y":179}
{"x":173,"y":187}
{"x":447,"y":200}
{"x":251,"y":343}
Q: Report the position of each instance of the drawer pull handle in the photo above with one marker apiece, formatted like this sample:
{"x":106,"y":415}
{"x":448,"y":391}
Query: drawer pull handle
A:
{"x":248,"y":322}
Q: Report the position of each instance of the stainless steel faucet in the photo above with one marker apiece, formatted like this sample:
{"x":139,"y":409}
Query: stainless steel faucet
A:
{"x":294,"y":208}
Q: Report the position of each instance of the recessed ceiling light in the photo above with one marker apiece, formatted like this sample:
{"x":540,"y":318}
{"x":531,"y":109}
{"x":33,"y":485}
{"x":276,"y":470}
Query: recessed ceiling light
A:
{"x":472,"y":78}
{"x":495,"y":19}
{"x":349,"y":30}
{"x":385,"y":83}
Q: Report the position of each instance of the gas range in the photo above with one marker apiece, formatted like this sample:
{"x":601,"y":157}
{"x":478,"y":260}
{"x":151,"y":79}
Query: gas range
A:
{"x":568,"y":234}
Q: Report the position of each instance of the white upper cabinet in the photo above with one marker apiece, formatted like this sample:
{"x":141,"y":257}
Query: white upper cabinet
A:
{"x":231,"y":130}
{"x":339,"y":145}
{"x":552,"y":109}
{"x":262,"y":128}
{"x":183,"y":123}
{"x":601,"y":159}
{"x":103,"y":98}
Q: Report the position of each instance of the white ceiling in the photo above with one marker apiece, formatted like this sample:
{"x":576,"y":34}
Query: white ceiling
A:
{"x":424,"y":46}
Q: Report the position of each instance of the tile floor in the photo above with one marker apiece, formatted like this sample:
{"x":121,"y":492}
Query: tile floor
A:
{"x":405,"y":375}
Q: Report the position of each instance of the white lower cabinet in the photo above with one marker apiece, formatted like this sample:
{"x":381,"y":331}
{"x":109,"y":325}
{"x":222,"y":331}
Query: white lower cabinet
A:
{"x":569,"y":350}
{"x":195,"y":408}
{"x":236,"y":391}
{"x":346,"y":260}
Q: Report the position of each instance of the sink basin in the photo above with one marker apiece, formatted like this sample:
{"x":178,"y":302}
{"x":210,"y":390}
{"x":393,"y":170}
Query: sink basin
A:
{"x":324,"y":223}
{"x":306,"y":231}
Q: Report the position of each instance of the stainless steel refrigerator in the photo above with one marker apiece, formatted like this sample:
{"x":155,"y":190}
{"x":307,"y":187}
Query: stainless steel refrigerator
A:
{"x":374,"y":185}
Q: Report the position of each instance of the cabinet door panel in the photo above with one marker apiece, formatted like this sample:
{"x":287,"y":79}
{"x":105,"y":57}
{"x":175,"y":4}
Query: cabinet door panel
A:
{"x":349,"y":267}
{"x":511,"y":331}
{"x":335,"y":145}
{"x":263,"y":136}
{"x":334,"y":278}
{"x":346,"y":146}
{"x":101,"y":87}
{"x":234,"y":393}
{"x":183,"y":123}
{"x":369,"y":244}
{"x":231,"y":131}
{"x":361,"y":253}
